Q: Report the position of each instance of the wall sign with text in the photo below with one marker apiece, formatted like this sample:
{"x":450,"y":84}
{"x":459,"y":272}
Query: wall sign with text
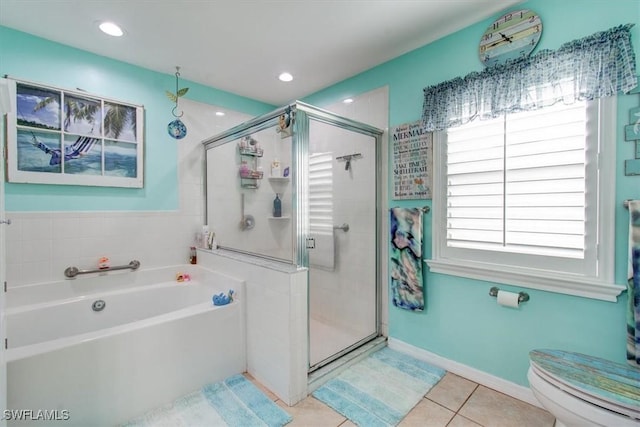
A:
{"x":412,"y":156}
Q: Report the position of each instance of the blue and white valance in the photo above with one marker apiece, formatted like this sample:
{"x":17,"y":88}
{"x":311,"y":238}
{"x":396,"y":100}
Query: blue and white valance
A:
{"x":596,"y":66}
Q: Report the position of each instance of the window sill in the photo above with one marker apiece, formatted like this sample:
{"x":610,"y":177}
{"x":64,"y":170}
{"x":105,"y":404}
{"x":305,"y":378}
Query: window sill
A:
{"x":530,"y":278}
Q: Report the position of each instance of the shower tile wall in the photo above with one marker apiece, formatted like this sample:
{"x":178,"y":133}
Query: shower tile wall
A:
{"x":268,"y":237}
{"x":40,"y":245}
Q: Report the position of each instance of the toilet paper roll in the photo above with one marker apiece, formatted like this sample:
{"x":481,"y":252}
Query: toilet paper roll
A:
{"x":508,"y":299}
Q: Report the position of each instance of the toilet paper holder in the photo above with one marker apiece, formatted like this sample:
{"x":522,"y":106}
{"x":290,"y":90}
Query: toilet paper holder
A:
{"x":522,"y":296}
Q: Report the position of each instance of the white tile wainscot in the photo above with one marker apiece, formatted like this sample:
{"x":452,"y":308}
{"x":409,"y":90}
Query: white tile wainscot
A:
{"x":277,"y":317}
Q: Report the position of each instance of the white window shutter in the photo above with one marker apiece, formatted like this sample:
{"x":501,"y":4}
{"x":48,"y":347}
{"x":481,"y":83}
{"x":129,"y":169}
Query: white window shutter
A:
{"x":321,"y":193}
{"x":518,"y":184}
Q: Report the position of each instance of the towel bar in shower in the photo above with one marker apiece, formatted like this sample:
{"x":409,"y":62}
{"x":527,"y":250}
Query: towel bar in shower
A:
{"x":344,"y":227}
{"x":74,"y":271}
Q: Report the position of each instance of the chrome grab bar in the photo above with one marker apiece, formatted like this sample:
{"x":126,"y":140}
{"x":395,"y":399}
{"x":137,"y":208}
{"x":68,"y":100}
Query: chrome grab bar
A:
{"x":344,"y":227}
{"x":73,"y":271}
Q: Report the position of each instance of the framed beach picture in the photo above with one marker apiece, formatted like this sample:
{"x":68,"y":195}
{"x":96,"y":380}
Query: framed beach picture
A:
{"x":59,"y":136}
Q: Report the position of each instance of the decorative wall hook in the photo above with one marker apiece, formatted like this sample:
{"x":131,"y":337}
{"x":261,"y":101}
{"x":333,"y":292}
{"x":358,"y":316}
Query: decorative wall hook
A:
{"x":177,"y":128}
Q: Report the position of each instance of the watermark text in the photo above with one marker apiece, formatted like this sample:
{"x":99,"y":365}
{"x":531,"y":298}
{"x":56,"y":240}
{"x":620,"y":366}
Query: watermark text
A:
{"x":35,"y":414}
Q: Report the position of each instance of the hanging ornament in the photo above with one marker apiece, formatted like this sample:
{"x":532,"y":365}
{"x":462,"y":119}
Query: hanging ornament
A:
{"x":176,"y":128}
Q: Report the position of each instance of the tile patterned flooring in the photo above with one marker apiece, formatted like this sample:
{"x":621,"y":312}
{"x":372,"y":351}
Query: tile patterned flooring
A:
{"x":453,"y":402}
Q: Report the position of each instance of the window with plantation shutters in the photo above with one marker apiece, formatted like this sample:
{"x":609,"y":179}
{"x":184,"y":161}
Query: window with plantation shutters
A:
{"x":524,"y":199}
{"x":320,"y":193}
{"x":517,"y":183}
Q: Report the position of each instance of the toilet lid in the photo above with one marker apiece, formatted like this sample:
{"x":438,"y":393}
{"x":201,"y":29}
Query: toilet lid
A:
{"x":614,"y":386}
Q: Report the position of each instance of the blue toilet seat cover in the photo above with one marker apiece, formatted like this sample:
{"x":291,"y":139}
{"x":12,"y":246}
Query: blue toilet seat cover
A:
{"x":609,"y":381}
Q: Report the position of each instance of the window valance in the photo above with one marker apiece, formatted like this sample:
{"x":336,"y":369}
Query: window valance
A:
{"x":596,"y":66}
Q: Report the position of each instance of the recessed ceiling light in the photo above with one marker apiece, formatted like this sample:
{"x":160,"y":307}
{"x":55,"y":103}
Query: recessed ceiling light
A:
{"x":285,"y":77}
{"x":219,"y":113}
{"x":348,"y":100}
{"x":111,"y":29}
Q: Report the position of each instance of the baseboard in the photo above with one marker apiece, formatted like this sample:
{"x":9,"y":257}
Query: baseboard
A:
{"x":488,"y":380}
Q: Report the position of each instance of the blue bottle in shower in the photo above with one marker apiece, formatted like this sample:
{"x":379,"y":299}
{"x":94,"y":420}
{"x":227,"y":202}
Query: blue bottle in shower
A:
{"x":277,"y":206}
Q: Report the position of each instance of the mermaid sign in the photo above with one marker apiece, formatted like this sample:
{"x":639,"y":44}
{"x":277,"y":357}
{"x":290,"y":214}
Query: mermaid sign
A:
{"x":412,"y":161}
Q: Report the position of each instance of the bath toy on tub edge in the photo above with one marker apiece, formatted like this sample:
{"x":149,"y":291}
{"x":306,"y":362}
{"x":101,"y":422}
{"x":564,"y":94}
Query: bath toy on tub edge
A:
{"x":182,"y":277}
{"x":222,"y":299}
{"x":104,"y":263}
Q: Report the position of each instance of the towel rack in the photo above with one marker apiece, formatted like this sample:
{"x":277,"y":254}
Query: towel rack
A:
{"x":626,"y":203}
{"x":73,"y":271}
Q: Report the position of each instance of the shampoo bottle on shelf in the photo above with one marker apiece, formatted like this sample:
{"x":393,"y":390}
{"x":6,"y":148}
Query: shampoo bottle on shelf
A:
{"x":277,"y":207}
{"x":275,"y":169}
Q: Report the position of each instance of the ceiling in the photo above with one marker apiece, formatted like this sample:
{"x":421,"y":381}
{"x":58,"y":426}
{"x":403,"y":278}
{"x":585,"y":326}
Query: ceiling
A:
{"x":241,"y":46}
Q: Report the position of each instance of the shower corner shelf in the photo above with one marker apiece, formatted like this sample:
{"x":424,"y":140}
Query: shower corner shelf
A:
{"x":279,"y":217}
{"x":279,"y":178}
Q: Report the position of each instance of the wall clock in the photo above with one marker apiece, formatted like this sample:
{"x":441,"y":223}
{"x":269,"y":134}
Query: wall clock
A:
{"x":513,"y":35}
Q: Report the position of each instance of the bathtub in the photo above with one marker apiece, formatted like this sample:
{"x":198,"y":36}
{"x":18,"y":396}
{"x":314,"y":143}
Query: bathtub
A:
{"x":156,"y":339}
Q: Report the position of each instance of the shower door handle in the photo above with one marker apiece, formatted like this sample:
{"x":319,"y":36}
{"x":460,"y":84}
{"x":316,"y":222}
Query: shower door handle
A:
{"x":344,"y":227}
{"x":5,"y":221}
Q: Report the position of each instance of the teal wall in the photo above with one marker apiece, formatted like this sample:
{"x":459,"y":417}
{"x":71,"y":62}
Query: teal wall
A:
{"x":27,"y":57}
{"x":461,"y":321}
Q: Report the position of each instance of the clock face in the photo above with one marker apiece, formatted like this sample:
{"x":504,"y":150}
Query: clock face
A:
{"x":513,"y":35}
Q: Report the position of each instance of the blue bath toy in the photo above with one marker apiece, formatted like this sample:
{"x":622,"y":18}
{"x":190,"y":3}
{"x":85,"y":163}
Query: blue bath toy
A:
{"x":222,"y":299}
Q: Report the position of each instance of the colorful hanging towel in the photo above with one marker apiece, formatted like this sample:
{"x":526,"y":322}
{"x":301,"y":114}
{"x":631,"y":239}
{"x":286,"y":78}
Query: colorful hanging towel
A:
{"x":633,"y":314}
{"x":406,"y":258}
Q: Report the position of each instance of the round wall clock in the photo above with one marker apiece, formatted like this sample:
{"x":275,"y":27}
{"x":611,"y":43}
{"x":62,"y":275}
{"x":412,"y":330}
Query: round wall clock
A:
{"x":513,"y":35}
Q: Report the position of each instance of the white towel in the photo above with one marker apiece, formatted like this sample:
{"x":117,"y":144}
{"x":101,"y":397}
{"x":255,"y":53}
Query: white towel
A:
{"x":323,"y":255}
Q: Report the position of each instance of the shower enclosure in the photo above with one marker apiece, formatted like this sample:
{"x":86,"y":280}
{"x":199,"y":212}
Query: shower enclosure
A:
{"x":324,"y":171}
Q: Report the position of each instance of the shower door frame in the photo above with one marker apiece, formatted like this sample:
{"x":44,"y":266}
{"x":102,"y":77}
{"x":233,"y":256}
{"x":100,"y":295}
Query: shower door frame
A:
{"x":300,"y":157}
{"x":303,"y":113}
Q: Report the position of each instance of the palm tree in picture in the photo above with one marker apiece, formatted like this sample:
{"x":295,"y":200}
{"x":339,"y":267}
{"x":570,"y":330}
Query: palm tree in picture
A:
{"x":117,"y":116}
{"x":75,"y":109}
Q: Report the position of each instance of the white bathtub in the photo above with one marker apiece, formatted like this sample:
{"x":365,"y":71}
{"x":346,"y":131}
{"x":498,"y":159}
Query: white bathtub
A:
{"x":155,"y":340}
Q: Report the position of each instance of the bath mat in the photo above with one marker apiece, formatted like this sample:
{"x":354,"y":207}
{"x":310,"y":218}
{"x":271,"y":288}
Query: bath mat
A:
{"x":381,"y":389}
{"x":234,"y":402}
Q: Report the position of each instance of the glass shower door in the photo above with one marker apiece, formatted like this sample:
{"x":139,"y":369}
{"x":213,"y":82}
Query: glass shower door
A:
{"x":343,"y":300}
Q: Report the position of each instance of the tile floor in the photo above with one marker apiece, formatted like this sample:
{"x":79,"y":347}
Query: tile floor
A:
{"x":453,"y":402}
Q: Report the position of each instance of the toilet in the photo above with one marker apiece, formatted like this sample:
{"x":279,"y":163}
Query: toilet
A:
{"x":581,"y":390}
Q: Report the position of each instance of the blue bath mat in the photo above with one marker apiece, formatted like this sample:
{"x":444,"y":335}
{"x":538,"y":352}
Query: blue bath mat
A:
{"x":234,"y":402}
{"x":381,"y":389}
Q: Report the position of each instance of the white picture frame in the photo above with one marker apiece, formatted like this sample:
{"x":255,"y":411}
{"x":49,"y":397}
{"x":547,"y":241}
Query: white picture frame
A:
{"x":66,"y":137}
